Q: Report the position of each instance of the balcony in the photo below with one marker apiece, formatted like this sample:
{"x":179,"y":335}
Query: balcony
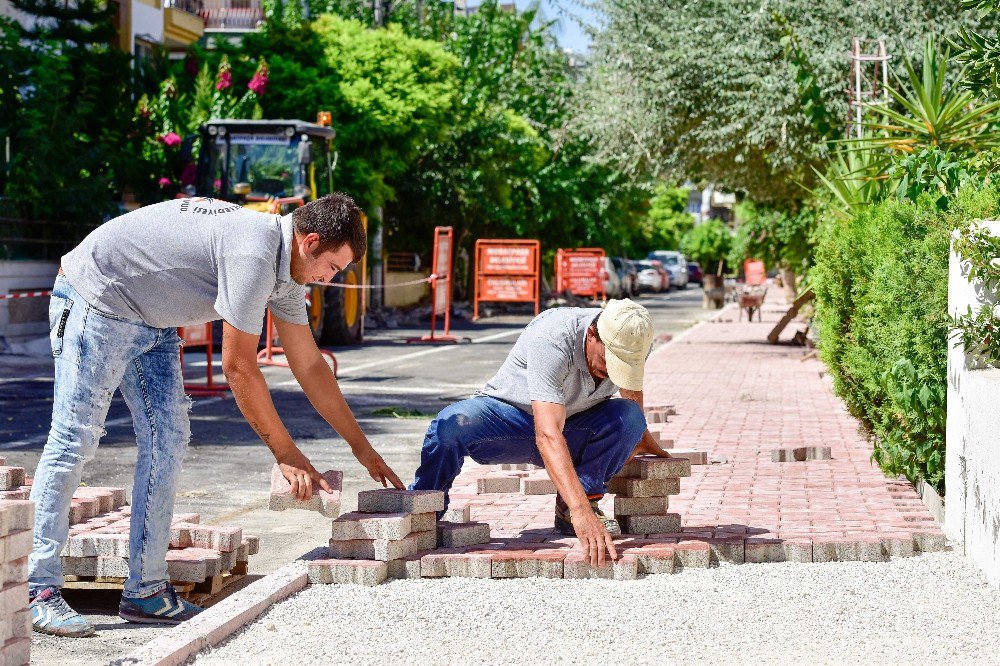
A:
{"x":235,"y":16}
{"x":182,"y":22}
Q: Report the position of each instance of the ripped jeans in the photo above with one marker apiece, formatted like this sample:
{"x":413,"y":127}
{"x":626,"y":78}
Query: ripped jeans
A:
{"x":96,"y":353}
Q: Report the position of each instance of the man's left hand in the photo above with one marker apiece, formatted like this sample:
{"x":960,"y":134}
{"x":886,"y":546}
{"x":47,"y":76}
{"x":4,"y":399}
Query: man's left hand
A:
{"x":377,"y":468}
{"x":648,"y":446}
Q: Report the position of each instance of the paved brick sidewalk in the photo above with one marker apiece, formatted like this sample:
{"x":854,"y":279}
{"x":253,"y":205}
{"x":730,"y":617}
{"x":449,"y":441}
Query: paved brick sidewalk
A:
{"x":740,"y":398}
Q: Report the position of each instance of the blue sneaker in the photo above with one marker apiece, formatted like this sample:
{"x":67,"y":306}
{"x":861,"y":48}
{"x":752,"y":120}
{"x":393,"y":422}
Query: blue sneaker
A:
{"x":163,"y":608}
{"x":50,"y":614}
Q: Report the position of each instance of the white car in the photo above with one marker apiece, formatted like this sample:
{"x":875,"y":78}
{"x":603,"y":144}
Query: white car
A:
{"x":650,"y":279}
{"x":675,"y":263}
{"x":612,"y":281}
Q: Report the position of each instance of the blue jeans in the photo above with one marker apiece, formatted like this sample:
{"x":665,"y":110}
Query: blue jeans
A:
{"x":96,"y":353}
{"x":491,"y":432}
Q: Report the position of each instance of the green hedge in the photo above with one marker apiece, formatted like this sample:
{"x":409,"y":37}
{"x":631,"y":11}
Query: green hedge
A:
{"x":881,"y":283}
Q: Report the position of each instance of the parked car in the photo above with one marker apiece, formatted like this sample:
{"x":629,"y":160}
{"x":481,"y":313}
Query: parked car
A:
{"x":694,"y":273}
{"x":652,"y":276}
{"x":628,"y":275}
{"x":613,"y":286}
{"x":676,"y":265}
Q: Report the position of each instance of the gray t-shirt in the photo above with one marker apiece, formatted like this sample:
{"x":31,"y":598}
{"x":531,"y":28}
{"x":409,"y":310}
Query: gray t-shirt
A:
{"x":187,"y":262}
{"x":548,"y":364}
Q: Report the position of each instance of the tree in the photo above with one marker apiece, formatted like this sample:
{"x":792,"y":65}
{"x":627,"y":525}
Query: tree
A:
{"x":668,"y":219}
{"x":708,"y":244}
{"x":68,"y":120}
{"x":704,"y":90}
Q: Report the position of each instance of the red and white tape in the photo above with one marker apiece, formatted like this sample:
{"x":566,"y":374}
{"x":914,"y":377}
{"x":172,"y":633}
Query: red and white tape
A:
{"x":25,"y":294}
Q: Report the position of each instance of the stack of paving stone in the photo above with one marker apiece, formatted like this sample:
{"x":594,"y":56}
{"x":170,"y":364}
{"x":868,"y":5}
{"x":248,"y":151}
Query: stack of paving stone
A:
{"x":324,"y":502}
{"x":642,"y":492}
{"x":16,"y":520}
{"x":12,"y":482}
{"x":395,"y":534}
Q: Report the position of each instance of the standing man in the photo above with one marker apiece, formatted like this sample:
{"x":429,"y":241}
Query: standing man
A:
{"x":550,"y":405}
{"x":115,"y":308}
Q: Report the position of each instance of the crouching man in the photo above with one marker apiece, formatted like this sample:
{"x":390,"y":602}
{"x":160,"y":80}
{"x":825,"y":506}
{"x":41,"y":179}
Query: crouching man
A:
{"x":550,"y":404}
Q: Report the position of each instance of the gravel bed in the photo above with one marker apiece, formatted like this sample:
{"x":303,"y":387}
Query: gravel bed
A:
{"x":933,"y":608}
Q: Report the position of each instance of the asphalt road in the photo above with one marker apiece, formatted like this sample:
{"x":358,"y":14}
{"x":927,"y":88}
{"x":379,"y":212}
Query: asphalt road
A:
{"x":227,"y":468}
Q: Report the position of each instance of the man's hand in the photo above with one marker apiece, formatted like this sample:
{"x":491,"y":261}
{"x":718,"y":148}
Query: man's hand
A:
{"x":377,"y":468}
{"x":300,"y":473}
{"x":647,"y":445}
{"x":593,"y":536}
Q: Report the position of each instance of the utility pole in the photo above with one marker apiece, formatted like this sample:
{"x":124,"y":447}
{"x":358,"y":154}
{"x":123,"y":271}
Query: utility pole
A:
{"x":869,"y":81}
{"x":380,"y":14}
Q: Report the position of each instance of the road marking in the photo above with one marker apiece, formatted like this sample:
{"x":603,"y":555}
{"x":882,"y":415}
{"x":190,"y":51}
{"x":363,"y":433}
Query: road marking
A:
{"x":396,"y":359}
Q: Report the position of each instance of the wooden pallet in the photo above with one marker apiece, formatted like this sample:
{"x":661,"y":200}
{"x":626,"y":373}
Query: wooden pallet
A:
{"x":197,"y":593}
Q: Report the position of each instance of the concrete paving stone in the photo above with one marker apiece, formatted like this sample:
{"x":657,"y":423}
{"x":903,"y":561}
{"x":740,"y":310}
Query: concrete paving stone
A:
{"x":760,"y":551}
{"x":356,"y":525}
{"x":405,"y":567}
{"x":15,"y":545}
{"x":192,"y":518}
{"x":693,"y":554}
{"x":16,"y":515}
{"x":694,"y":457}
{"x":105,"y":497}
{"x":80,"y":566}
{"x":456,"y":565}
{"x":488,"y":485}
{"x":458,"y":514}
{"x":671,"y":410}
{"x":16,"y":652}
{"x":798,"y":549}
{"x":577,"y":565}
{"x":664,"y":442}
{"x":392,"y":500}
{"x":20,"y":624}
{"x":112,"y":567}
{"x":13,"y":571}
{"x":516,"y":467}
{"x":11,"y":478}
{"x":356,"y":572}
{"x":180,"y":535}
{"x":729,"y":549}
{"x":421,"y":522}
{"x":217,"y":537}
{"x":538,"y":486}
{"x":253,"y":543}
{"x":871,"y":549}
{"x":657,"y":416}
{"x":625,"y":487}
{"x":19,"y":494}
{"x":459,"y":535}
{"x":651,"y":467}
{"x":323,"y":502}
{"x":930,"y":541}
{"x":92,"y":544}
{"x":426,"y":540}
{"x":898,"y":545}
{"x":3,"y":460}
{"x":528,"y":564}
{"x":183,"y":565}
{"x":641,"y":506}
{"x":670,"y":522}
{"x":382,"y":550}
{"x":13,"y":598}
{"x":653,"y":559}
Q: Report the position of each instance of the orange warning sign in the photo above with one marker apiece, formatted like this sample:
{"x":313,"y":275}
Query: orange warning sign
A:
{"x":507,"y":271}
{"x":755,"y":272}
{"x":581,"y":271}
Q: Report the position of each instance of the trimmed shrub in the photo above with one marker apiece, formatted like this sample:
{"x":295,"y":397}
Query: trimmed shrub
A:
{"x":881,"y":283}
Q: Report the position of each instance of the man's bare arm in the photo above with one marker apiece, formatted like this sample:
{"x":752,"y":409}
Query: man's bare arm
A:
{"x":239,"y":362}
{"x":550,"y":419}
{"x":647,"y":444}
{"x":320,"y":386}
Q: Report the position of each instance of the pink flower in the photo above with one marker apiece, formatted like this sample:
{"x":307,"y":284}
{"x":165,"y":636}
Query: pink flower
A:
{"x":164,"y":181}
{"x":171,"y":139}
{"x":225,"y":78}
{"x":258,"y":84}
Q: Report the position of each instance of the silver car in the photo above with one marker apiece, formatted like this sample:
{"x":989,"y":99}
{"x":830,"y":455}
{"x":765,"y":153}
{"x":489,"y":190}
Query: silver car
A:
{"x":675,"y":263}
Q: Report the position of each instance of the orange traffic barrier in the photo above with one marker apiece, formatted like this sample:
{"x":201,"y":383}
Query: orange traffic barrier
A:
{"x":441,"y":284}
{"x":200,"y":336}
{"x":507,"y":271}
{"x":266,"y":356}
{"x":581,"y":272}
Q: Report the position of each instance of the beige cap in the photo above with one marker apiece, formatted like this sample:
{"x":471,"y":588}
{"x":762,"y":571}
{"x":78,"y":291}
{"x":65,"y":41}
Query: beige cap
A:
{"x":627,"y":334}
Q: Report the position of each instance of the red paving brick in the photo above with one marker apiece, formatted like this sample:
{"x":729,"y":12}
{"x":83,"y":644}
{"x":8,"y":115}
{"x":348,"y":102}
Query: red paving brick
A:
{"x":738,"y":398}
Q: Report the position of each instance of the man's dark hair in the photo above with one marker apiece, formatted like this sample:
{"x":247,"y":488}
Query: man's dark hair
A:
{"x":337,"y":220}
{"x":593,"y":327}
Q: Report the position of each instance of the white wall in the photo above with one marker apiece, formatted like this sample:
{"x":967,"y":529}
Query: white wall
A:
{"x":147,"y":23}
{"x":972,"y":465}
